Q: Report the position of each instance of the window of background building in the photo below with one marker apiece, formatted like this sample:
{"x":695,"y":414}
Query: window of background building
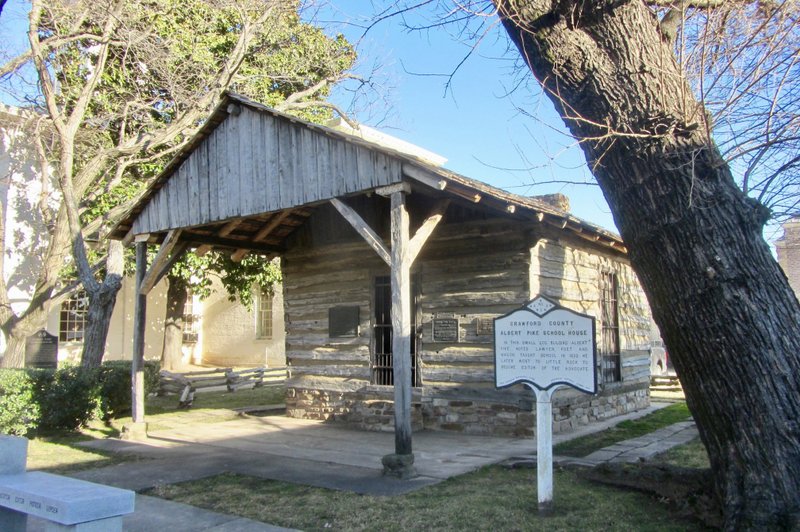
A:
{"x":609,"y":331}
{"x":72,"y":318}
{"x":190,"y":320}
{"x":264,"y":313}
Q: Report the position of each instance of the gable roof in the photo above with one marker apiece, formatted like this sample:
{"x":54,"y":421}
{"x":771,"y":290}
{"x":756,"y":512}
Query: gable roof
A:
{"x":252,"y":174}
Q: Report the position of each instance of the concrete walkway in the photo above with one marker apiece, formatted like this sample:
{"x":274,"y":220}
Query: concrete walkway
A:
{"x":320,"y":454}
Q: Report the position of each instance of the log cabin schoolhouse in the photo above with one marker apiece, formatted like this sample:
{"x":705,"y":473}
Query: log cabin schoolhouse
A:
{"x":394,"y":269}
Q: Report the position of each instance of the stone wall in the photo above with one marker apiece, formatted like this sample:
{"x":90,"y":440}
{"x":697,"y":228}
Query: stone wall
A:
{"x":374,"y":410}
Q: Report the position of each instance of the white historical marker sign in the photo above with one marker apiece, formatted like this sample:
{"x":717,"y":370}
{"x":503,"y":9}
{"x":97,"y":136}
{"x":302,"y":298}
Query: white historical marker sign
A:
{"x":545,"y":346}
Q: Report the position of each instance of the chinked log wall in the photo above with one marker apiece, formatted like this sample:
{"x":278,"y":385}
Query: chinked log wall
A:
{"x":470,"y":272}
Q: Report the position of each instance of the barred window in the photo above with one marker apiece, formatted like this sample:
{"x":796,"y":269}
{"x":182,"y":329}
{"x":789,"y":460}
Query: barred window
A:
{"x":72,"y":318}
{"x":610,"y":370}
{"x":264,"y":314}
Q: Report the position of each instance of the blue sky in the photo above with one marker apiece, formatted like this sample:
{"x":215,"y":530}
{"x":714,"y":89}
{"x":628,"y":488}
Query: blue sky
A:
{"x":474,"y":122}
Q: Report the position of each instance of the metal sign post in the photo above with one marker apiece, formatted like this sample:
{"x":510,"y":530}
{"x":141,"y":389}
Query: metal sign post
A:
{"x":545,"y":346}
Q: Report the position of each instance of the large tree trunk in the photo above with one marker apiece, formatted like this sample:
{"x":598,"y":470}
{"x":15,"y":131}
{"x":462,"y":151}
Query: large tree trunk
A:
{"x":724,"y":307}
{"x":173,"y":324}
{"x":14,"y":355}
{"x":102,"y":298}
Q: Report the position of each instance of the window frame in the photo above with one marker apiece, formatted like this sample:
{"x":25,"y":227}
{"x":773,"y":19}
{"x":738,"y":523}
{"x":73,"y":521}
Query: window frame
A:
{"x":610,"y":341}
{"x":264,"y":317}
{"x":74,"y":311}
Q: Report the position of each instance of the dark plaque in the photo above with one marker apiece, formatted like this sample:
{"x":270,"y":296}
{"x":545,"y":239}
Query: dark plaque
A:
{"x":445,"y":330}
{"x":343,"y":322}
{"x":41,"y":350}
{"x":484,"y":326}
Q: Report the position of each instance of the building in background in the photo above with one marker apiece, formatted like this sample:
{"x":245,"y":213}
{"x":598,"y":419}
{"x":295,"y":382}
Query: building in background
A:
{"x":788,"y":249}
{"x":216,"y":331}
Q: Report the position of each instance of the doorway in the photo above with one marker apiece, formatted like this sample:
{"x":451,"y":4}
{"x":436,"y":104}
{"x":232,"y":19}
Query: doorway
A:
{"x":382,"y":360}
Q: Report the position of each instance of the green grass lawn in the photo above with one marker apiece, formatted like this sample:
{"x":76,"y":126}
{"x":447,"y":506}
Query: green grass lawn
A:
{"x":492,"y":498}
{"x":625,"y":430}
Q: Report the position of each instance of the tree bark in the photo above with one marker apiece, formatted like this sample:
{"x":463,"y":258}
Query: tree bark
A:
{"x":724,"y":307}
{"x":14,"y":355}
{"x":173,"y":323}
{"x":102,"y":298}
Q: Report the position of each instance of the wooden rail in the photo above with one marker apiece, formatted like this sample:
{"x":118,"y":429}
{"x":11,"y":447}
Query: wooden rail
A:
{"x":186,"y":384}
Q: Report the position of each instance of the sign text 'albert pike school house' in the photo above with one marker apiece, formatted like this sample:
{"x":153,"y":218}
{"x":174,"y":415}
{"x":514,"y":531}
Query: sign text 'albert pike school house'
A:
{"x":394,"y":269}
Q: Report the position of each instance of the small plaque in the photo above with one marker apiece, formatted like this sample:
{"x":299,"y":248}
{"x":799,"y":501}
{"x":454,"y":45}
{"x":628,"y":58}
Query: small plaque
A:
{"x":445,"y":330}
{"x":343,"y":322}
{"x":484,"y":326}
{"x":41,"y":350}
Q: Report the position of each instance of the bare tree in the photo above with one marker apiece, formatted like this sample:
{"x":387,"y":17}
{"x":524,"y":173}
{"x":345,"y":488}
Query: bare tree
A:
{"x":683,"y":108}
{"x":122,"y":86}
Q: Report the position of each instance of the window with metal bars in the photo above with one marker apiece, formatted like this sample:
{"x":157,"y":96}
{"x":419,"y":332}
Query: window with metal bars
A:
{"x":72,"y":318}
{"x":610,"y":368}
{"x":382,"y":362}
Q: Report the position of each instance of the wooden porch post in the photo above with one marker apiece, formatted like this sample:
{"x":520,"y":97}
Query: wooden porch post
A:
{"x":404,"y":251}
{"x":401,"y":324}
{"x":138,"y":429}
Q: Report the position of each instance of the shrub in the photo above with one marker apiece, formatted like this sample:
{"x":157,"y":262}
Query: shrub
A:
{"x":67,"y":397}
{"x":19,"y":413}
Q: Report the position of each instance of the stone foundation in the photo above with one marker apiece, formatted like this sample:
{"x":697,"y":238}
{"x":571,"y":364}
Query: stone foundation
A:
{"x":373,"y":409}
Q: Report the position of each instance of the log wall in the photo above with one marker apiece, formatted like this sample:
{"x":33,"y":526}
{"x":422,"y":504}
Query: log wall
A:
{"x":471,"y":272}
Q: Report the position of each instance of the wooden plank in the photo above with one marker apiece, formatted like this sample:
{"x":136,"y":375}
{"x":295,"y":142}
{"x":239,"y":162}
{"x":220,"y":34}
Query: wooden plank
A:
{"x":223,"y":178}
{"x":286,"y":165}
{"x":272,"y":151}
{"x":246,"y":170}
{"x":232,"y":155}
{"x":214,"y":172}
{"x":202,"y":181}
{"x":161,"y":259}
{"x":324,"y":167}
{"x":366,"y":232}
{"x":260,"y":173}
{"x":227,"y":229}
{"x":262,"y":233}
{"x":194,"y":187}
{"x":401,"y":324}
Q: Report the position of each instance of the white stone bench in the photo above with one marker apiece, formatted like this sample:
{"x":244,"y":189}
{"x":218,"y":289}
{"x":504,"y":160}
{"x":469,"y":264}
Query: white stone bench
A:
{"x":66,"y":504}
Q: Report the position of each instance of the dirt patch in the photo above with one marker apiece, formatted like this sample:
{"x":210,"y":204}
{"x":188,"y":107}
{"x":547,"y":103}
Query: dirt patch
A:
{"x":688,"y":491}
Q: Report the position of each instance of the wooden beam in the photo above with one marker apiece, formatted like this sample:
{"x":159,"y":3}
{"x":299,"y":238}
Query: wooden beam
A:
{"x":227,"y":229}
{"x":389,"y":190}
{"x":401,"y":324}
{"x":231,"y":243}
{"x":139,"y":327}
{"x":426,"y":229}
{"x":426,"y":178}
{"x":361,"y":227}
{"x":145,"y":237}
{"x":152,"y":275}
{"x":273,"y":224}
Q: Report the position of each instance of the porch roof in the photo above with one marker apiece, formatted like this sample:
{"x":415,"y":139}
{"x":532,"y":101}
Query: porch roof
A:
{"x":252,"y":175}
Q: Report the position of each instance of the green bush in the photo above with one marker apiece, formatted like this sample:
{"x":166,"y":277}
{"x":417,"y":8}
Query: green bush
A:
{"x":114,"y":393}
{"x":19,"y":413}
{"x":66,"y":399}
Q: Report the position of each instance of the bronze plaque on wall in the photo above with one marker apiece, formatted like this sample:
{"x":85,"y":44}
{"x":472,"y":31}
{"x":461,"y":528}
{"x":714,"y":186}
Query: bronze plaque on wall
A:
{"x":445,"y":330}
{"x":343,"y":322}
